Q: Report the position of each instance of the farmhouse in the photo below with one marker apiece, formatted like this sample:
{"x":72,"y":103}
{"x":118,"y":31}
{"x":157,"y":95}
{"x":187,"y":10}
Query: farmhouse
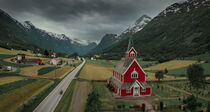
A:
{"x":129,"y":79}
{"x":71,"y":62}
{"x":20,"y":57}
{"x":55,"y":61}
{"x":53,"y":54}
{"x":32,"y":61}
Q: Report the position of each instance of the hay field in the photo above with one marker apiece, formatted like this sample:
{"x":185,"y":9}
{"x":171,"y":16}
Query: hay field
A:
{"x":31,"y":71}
{"x":96,"y":72}
{"x":14,"y":52}
{"x":58,"y":73}
{"x":11,"y":100}
{"x":151,"y":77}
{"x":5,"y":80}
{"x":174,"y":64}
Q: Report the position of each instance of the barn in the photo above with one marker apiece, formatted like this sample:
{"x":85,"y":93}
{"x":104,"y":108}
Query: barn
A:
{"x":129,"y":79}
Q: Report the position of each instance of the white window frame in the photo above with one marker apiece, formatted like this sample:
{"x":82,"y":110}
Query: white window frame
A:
{"x":128,"y":90}
{"x":132,"y":54}
{"x":134,"y":75}
{"x":143,"y":89}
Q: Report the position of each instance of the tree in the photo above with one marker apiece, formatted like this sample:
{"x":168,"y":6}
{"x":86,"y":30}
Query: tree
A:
{"x":159,"y":75}
{"x":191,"y":103}
{"x":195,"y":75}
{"x":46,"y":53}
{"x":208,"y":108}
{"x":166,"y":70}
{"x":93,"y":102}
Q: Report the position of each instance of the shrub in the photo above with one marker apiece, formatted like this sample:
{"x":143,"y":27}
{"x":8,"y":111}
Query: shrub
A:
{"x":93,"y":103}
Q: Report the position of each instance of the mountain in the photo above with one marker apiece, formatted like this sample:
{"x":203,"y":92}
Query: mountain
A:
{"x":109,"y":40}
{"x":106,"y":41}
{"x":57,"y":42}
{"x":137,"y":26}
{"x":179,"y":31}
{"x":14,"y":34}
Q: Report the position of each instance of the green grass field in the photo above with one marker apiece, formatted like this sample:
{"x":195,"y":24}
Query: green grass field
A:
{"x":203,"y":57}
{"x":14,"y":85}
{"x":102,"y":90}
{"x":114,"y":62}
{"x":183,"y":71}
{"x":65,"y":101}
{"x":45,"y":70}
{"x":102,"y":62}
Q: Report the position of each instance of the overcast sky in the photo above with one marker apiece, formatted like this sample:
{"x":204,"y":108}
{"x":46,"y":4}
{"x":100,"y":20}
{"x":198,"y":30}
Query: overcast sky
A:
{"x":83,"y":19}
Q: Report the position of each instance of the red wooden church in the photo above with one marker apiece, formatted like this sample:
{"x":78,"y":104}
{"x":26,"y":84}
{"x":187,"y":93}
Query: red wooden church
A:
{"x":129,"y":79}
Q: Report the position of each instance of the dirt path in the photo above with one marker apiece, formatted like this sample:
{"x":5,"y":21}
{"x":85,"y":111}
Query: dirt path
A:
{"x":80,"y":97}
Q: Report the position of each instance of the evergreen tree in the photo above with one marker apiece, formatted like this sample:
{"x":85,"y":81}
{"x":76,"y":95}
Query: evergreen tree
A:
{"x":46,"y":53}
{"x":195,"y":75}
{"x":159,"y":75}
{"x":208,"y":108}
{"x":166,"y":70}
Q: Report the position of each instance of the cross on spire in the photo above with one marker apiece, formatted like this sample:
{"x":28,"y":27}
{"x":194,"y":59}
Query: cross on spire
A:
{"x":130,"y":44}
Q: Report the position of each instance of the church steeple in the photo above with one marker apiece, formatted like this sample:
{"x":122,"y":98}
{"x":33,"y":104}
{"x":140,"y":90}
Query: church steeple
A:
{"x":131,"y":52}
{"x":130,"y":44}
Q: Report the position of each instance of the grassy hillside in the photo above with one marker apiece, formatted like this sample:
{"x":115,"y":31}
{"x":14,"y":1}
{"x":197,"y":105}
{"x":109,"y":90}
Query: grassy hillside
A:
{"x":175,"y":35}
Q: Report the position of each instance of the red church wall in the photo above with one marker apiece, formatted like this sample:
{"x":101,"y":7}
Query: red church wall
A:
{"x":147,"y":91}
{"x":127,"y":75}
{"x":124,"y":92}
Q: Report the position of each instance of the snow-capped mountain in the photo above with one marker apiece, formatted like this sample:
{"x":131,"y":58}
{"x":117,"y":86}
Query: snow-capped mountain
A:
{"x":25,"y":35}
{"x":184,"y":6}
{"x":138,"y":25}
{"x":109,"y":40}
{"x":58,"y":42}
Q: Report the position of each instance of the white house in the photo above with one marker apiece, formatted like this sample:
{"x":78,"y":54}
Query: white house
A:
{"x":55,"y":61}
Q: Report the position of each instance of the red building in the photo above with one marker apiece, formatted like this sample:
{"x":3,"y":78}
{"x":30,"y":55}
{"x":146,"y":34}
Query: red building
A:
{"x":129,"y":79}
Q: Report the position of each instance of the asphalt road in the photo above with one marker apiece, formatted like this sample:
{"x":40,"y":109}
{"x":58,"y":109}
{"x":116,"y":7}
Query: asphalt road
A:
{"x":51,"y":101}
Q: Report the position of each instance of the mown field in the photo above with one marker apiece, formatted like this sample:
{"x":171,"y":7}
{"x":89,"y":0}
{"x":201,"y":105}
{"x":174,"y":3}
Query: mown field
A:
{"x":97,"y":70}
{"x":43,"y":71}
{"x":29,"y":85}
{"x":5,"y":80}
{"x":11,"y":100}
{"x":174,"y":64}
{"x":14,"y":52}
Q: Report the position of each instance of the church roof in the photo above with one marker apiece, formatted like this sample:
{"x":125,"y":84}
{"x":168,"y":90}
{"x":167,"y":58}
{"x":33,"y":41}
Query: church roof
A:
{"x":126,"y":85}
{"x":122,"y":66}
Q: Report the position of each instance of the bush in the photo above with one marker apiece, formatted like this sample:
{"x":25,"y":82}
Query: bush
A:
{"x":161,"y":105}
{"x":93,"y":102}
{"x":208,"y":107}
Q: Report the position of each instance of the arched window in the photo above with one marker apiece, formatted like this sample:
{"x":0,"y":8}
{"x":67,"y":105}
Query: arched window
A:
{"x":134,"y":74}
{"x":132,"y":54}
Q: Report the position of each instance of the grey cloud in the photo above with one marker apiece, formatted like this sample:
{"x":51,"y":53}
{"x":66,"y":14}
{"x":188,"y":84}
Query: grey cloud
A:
{"x":84,"y":19}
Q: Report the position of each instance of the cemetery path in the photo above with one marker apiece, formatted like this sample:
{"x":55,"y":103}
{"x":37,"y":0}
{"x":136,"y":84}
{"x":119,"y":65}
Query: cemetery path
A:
{"x":185,"y":92}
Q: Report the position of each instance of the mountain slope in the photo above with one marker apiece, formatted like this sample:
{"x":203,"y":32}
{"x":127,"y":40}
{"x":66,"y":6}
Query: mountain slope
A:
{"x":137,"y":26}
{"x":179,"y":31}
{"x":105,"y":42}
{"x":109,"y":40}
{"x":14,"y":34}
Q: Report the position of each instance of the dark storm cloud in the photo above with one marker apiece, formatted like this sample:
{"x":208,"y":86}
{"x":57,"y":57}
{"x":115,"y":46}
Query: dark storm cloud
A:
{"x":85,"y":19}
